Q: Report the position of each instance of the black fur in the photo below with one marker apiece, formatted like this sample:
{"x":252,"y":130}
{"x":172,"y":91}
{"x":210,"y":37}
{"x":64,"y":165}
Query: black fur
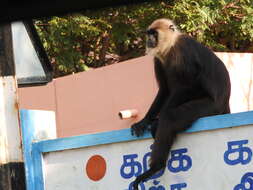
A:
{"x":193,"y":83}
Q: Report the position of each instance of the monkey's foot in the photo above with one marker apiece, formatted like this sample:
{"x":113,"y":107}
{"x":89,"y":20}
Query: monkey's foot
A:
{"x":139,"y":128}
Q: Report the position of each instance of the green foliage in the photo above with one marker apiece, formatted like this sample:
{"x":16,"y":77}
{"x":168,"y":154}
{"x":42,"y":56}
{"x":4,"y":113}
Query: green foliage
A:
{"x":224,"y":25}
{"x":93,"y":39}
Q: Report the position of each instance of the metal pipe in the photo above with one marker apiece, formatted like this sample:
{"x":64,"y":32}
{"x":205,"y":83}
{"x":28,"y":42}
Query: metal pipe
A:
{"x":129,"y":113}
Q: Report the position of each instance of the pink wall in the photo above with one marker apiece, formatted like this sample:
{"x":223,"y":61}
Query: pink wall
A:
{"x":89,"y":102}
{"x":39,"y":97}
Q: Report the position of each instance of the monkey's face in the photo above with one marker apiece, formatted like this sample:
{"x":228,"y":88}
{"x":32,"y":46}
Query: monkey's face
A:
{"x":152,"y":42}
{"x":152,"y":38}
{"x":160,"y":36}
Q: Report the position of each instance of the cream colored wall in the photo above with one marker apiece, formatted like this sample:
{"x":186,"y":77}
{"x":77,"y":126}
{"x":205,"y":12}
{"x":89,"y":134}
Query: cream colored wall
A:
{"x":240,"y":67}
{"x":89,"y":102}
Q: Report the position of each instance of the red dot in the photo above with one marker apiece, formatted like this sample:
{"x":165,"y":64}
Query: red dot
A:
{"x":96,"y":167}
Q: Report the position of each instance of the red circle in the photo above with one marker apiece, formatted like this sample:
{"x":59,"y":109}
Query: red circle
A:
{"x":96,"y":167}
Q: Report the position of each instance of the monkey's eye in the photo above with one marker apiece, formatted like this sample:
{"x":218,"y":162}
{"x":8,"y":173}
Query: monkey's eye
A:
{"x":151,"y":32}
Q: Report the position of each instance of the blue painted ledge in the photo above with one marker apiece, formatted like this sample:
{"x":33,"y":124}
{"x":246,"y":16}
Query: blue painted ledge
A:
{"x":206,"y":123}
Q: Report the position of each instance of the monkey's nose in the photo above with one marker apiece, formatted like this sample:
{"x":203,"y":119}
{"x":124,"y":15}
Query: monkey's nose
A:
{"x":151,"y":44}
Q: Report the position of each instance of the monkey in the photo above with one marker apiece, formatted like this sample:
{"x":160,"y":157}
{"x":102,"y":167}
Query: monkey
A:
{"x":192,"y":83}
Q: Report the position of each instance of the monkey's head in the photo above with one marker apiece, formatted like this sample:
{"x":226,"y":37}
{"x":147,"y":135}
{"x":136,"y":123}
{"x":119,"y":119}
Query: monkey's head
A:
{"x":161,"y":36}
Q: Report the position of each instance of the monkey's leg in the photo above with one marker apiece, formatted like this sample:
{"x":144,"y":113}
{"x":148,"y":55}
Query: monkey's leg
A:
{"x":164,"y":138}
{"x":153,"y":127}
{"x":171,"y":122}
{"x":175,"y":120}
{"x":227,"y":108}
{"x":184,"y":115}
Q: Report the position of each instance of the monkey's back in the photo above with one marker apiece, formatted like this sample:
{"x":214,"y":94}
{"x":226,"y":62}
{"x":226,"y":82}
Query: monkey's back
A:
{"x":195,"y":70}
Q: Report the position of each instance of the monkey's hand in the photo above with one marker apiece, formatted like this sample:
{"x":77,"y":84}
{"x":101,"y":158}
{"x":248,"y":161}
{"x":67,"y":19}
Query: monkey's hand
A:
{"x":139,"y":128}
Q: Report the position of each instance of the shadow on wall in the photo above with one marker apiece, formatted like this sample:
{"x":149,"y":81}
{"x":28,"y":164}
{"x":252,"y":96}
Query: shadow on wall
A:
{"x":89,"y":102}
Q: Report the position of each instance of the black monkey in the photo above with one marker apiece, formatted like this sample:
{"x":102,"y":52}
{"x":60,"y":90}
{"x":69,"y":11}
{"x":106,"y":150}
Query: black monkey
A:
{"x":193,"y":82}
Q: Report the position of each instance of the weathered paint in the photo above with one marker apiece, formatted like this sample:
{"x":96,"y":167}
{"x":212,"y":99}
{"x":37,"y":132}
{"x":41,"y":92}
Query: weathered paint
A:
{"x":12,"y":174}
{"x":10,"y":140}
{"x":62,"y":163}
{"x":11,"y":163}
{"x":36,"y":125}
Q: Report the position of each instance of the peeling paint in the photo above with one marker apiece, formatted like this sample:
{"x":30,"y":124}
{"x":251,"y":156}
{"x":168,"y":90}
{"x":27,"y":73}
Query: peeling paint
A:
{"x":10,"y":138}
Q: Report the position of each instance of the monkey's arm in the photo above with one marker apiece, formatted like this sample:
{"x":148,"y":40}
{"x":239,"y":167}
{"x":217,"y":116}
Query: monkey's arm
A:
{"x":141,"y":126}
{"x":162,"y":95}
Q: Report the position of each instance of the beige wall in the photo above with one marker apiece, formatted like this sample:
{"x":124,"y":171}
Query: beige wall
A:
{"x":240,"y":67}
{"x":89,"y":102}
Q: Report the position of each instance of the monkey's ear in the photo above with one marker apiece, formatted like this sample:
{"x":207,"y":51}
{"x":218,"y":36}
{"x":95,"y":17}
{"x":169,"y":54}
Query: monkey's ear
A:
{"x":172,"y":27}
